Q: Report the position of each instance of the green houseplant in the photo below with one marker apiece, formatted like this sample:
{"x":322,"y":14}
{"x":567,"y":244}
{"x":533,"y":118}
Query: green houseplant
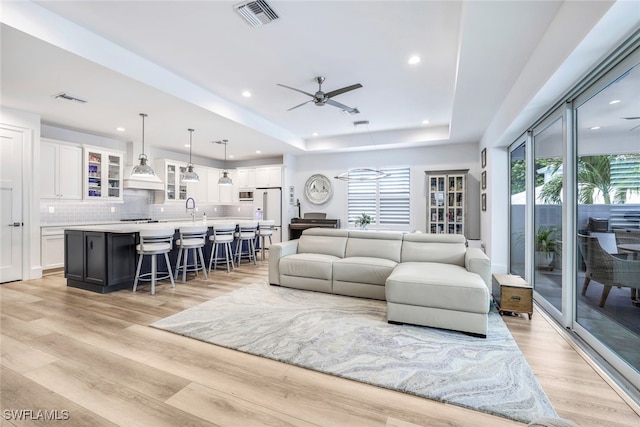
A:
{"x":363,"y":221}
{"x":547,"y":245}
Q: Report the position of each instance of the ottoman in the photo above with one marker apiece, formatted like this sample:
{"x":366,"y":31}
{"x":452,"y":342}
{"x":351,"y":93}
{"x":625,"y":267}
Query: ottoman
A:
{"x":438,"y":295}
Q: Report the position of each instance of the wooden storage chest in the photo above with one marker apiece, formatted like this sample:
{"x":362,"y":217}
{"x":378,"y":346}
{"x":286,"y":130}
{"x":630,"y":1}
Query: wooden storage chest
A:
{"x":512,"y":293}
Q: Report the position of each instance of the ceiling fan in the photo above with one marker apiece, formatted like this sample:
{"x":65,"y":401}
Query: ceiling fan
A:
{"x":321,"y":98}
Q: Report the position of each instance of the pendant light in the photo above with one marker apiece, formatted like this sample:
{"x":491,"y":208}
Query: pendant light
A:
{"x":225,"y":179}
{"x":189,"y":175}
{"x":143,"y":169}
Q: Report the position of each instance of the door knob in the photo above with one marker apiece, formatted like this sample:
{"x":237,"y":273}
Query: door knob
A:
{"x":15,"y":224}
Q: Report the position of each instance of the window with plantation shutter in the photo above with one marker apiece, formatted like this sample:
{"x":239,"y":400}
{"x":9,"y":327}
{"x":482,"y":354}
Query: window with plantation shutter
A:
{"x":386,"y":200}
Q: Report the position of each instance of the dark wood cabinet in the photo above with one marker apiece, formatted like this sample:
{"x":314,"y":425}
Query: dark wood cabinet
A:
{"x":99,"y":261}
{"x":74,"y":255}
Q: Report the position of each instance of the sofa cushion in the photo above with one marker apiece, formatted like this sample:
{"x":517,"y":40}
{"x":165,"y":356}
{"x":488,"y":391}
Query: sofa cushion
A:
{"x":374,"y":244}
{"x":316,"y":266}
{"x":444,"y":286}
{"x":325,"y":241}
{"x":440,"y":248}
{"x":369,"y":270}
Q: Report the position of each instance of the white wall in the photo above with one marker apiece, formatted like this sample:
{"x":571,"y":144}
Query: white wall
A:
{"x":438,"y":157}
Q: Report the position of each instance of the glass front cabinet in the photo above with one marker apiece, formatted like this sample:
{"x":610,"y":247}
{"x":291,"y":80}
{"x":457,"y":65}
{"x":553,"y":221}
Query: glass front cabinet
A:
{"x":446,"y":201}
{"x":170,"y":173}
{"x":103,"y":174}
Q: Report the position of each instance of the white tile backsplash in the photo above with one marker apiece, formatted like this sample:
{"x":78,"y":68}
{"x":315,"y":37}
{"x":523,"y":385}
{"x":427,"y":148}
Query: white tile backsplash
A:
{"x":137,"y":204}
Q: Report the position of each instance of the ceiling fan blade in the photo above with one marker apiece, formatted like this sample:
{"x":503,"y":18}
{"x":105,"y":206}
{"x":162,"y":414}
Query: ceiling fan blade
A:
{"x":343,"y":90}
{"x":297,"y":90}
{"x":306,"y":102}
{"x":342,"y":106}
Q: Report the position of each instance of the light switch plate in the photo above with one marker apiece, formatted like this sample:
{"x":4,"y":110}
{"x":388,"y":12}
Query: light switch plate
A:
{"x":52,"y":209}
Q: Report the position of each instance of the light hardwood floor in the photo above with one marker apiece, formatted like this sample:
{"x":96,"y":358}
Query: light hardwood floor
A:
{"x":94,"y":356}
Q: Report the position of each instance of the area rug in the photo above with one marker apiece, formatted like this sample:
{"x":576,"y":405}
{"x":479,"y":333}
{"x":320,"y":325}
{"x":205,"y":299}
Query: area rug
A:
{"x":350,"y":337}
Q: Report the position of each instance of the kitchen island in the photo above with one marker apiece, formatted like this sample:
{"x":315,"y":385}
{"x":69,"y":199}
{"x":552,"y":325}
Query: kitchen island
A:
{"x":102,"y":258}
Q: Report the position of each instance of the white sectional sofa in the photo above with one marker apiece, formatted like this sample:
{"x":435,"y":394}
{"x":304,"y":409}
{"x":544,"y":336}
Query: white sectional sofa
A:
{"x":427,"y":279}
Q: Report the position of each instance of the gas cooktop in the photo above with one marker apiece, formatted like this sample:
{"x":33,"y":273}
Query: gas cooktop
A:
{"x":139,"y":220}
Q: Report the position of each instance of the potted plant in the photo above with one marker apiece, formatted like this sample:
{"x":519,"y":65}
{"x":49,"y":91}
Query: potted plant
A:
{"x":546,"y":247}
{"x":363,"y":221}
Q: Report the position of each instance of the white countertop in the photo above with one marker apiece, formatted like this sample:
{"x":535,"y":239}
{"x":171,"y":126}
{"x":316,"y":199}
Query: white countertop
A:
{"x":127,"y":227}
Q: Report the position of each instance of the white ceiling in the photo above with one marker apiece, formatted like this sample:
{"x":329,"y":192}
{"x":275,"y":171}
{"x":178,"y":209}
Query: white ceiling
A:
{"x":186,"y":63}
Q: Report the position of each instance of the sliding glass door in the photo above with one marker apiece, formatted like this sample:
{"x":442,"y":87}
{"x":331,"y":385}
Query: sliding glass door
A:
{"x":575,"y":214}
{"x":517,"y":214}
{"x":547,"y":216}
{"x":608,"y":212}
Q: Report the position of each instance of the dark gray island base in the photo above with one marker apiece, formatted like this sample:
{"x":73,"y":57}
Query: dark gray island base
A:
{"x":99,"y":261}
{"x":103,"y":258}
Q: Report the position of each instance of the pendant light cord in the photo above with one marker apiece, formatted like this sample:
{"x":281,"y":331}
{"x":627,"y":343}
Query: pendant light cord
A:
{"x":143,"y":115}
{"x":190,"y":142}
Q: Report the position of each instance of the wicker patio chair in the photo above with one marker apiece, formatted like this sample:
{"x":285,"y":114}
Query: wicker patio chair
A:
{"x":608,"y":269}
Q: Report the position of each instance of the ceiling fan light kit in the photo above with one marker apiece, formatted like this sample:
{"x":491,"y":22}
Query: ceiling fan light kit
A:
{"x":142,"y":169}
{"x":321,"y":98}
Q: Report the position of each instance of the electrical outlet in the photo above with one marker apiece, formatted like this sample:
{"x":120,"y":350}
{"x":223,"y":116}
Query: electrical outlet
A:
{"x":161,"y":208}
{"x":215,"y":209}
{"x":238,"y":209}
{"x":113,"y":209}
{"x":52,"y":209}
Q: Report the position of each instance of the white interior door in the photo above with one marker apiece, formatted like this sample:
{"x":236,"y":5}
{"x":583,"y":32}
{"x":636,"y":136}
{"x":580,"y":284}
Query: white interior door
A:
{"x":10,"y":205}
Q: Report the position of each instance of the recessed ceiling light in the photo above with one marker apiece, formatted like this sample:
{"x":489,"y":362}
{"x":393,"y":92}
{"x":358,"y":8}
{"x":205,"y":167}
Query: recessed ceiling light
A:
{"x":425,"y":122}
{"x":246,"y":94}
{"x":120,"y":129}
{"x":230,"y":156}
{"x":258,"y":151}
{"x":415,"y":59}
{"x":595,"y":128}
{"x":314,"y":134}
{"x":615,"y":101}
{"x":187,"y":145}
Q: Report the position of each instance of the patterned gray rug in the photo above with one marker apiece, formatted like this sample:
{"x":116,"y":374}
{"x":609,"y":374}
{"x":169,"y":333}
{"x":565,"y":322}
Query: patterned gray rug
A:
{"x":350,"y":337}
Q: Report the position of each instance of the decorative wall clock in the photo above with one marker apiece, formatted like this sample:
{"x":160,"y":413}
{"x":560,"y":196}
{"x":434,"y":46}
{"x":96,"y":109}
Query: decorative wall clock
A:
{"x":317,"y":189}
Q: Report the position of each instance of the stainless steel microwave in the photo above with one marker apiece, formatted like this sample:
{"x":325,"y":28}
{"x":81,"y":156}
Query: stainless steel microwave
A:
{"x":245,"y":195}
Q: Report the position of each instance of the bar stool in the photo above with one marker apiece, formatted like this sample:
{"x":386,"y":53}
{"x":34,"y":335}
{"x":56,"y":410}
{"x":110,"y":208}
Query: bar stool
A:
{"x":191,"y":237}
{"x":222,"y":237}
{"x":154,"y":242}
{"x":265,"y":229}
{"x":246,"y":234}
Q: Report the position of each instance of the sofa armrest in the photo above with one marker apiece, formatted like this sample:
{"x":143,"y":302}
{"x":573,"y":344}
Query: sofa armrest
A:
{"x":277,"y":251}
{"x":478,"y":262}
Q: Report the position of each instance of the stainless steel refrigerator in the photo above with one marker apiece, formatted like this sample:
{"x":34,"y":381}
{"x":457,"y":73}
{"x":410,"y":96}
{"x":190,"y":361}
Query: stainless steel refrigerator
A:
{"x":269,"y":200}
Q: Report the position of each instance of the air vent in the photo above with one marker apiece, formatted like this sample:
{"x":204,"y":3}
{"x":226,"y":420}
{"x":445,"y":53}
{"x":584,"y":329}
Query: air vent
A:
{"x":66,"y":96}
{"x":257,"y":12}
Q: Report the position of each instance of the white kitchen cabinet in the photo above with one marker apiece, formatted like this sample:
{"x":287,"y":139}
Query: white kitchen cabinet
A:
{"x":229,"y":193}
{"x":213,"y":189}
{"x":52,"y":247}
{"x":102,"y":174}
{"x":246,"y":178}
{"x":199,"y":190}
{"x":60,"y":170}
{"x":268,"y":176}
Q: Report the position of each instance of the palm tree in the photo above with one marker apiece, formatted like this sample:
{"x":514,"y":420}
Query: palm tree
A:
{"x":594,"y":173}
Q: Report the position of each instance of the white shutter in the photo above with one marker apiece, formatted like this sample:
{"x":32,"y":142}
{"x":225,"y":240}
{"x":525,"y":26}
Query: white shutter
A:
{"x":386,"y":200}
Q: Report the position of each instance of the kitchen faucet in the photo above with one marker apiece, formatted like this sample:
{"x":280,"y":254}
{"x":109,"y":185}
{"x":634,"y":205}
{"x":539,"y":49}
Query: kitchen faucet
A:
{"x":192,"y":208}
